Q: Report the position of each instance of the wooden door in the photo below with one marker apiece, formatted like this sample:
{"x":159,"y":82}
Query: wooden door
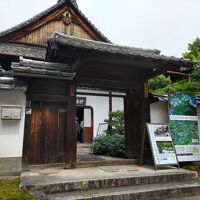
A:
{"x":88,"y":125}
{"x":47,"y":133}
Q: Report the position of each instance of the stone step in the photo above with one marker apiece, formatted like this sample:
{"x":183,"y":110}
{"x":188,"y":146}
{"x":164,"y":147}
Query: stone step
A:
{"x":64,"y":185}
{"x":104,"y":162}
{"x":142,"y":192}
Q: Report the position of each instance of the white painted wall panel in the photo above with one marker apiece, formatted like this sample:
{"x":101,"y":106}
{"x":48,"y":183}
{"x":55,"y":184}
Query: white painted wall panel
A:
{"x":12,"y":131}
{"x":159,"y":112}
{"x":100,"y":106}
{"x":117,"y":103}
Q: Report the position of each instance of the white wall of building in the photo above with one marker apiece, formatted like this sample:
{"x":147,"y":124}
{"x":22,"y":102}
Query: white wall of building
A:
{"x":117,"y":103}
{"x":12,"y":131}
{"x":159,"y":112}
{"x":100,"y":106}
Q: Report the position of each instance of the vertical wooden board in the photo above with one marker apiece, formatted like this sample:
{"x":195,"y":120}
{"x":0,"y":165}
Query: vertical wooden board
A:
{"x":87,"y":135}
{"x":26,"y":142}
{"x":70,"y":144}
{"x":35,"y":142}
{"x":133,"y":123}
{"x":50,"y":131}
{"x":41,"y":35}
{"x":61,"y":134}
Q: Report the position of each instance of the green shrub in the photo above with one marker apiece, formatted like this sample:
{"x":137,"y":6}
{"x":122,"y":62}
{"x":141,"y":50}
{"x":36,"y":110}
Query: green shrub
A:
{"x":116,"y":121}
{"x":109,"y":145}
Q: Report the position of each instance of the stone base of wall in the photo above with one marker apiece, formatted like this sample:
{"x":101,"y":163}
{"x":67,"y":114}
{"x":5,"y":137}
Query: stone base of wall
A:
{"x":11,"y":166}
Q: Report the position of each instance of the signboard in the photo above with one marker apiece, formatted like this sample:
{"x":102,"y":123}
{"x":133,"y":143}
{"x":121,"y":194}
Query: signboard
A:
{"x":81,"y":101}
{"x":102,"y":128}
{"x":184,"y":126}
{"x":9,"y":112}
{"x":161,"y":144}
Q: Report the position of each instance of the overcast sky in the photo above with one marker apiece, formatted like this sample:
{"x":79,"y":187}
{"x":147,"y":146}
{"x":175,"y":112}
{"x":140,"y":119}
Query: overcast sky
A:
{"x":167,"y":25}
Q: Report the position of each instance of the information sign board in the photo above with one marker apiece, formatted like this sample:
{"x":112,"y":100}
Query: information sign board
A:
{"x":161,"y":144}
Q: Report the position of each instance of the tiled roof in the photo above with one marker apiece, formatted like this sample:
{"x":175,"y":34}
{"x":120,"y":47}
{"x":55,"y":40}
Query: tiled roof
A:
{"x":6,"y":33}
{"x":28,"y":51}
{"x":131,"y":52}
{"x":9,"y":82}
{"x":40,"y":69}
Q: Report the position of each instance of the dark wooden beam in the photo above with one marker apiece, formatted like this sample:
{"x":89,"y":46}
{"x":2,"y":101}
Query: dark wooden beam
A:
{"x":136,"y":110}
{"x":177,"y":73}
{"x":70,"y":140}
{"x":100,"y":95}
{"x":77,"y":64}
{"x":155,"y":72}
{"x":48,"y":97}
{"x":105,"y":84}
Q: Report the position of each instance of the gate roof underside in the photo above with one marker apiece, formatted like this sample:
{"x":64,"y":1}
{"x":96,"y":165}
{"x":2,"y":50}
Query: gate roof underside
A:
{"x":100,"y":64}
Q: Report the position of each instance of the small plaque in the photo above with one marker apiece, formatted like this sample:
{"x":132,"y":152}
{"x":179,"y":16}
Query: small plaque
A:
{"x":10,"y":112}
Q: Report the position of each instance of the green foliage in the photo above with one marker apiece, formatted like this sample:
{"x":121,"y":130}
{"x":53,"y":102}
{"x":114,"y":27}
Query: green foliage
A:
{"x":109,"y":145}
{"x":193,"y":52}
{"x":196,"y":74}
{"x":116,"y":121}
{"x":112,"y":143}
{"x":162,"y":85}
{"x":158,"y":82}
{"x":9,"y":190}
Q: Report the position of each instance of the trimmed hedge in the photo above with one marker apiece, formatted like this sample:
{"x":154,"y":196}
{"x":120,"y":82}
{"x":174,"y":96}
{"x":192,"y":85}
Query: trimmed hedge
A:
{"x":109,"y":145}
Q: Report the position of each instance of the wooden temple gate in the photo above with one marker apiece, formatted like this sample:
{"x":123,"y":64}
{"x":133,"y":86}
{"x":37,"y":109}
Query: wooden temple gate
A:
{"x":110,"y":67}
{"x":71,"y":62}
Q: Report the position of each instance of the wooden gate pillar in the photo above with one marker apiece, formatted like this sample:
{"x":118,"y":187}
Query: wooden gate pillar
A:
{"x":137,"y":113}
{"x":70,"y":140}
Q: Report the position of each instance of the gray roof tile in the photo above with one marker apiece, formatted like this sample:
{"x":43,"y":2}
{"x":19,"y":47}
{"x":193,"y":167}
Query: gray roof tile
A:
{"x":72,"y":41}
{"x":28,"y":51}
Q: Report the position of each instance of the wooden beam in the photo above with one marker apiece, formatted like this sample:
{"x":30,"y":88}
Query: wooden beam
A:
{"x":100,"y":95}
{"x":32,"y":27}
{"x":154,"y":73}
{"x":77,"y":64}
{"x":49,"y":97}
{"x":136,"y":108}
{"x":105,"y":84}
{"x":70,"y":140}
{"x":177,"y":73}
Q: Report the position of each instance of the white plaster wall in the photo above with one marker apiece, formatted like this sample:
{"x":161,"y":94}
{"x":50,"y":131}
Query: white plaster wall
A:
{"x":12,"y":131}
{"x":159,"y":112}
{"x":117,"y":103}
{"x":100,"y":106}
